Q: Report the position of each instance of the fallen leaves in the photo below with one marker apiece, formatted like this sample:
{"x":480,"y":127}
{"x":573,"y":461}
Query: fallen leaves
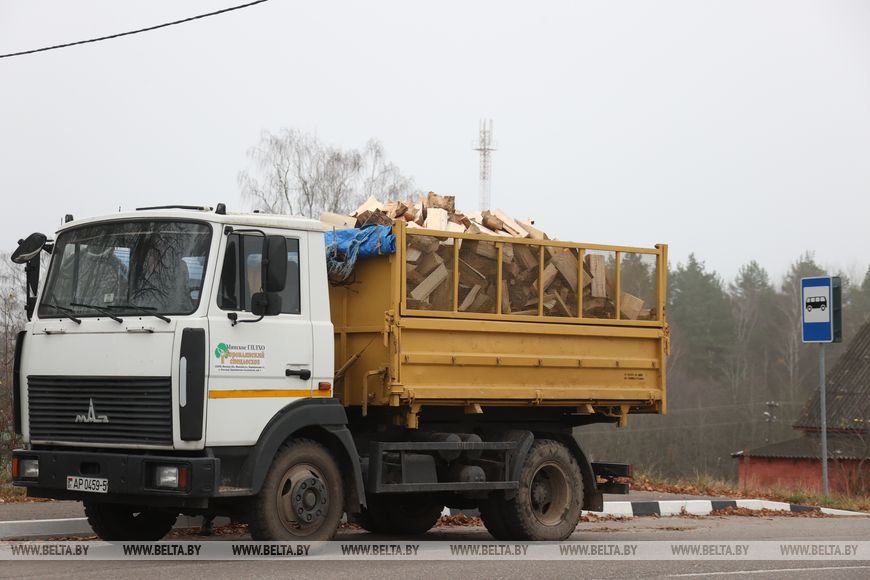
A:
{"x":458,"y":520}
{"x":644,"y":483}
{"x":767,"y":513}
{"x":591,"y":517}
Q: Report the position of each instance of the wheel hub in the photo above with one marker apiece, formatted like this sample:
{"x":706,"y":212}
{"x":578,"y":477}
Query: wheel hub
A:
{"x":309,"y":500}
{"x":540,"y":494}
{"x":549,"y":494}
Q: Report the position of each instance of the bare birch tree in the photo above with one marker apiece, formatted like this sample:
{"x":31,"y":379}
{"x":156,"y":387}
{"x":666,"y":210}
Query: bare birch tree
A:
{"x":751,"y":293}
{"x":383,"y":179}
{"x":294,"y":172}
{"x":12,"y":319}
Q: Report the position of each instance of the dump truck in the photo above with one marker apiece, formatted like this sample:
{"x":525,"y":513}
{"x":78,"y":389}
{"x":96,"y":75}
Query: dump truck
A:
{"x":186,"y":360}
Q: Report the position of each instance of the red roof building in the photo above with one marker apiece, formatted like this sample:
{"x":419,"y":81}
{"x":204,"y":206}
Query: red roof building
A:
{"x":796,"y":463}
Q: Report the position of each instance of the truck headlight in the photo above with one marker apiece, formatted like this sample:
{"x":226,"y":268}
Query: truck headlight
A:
{"x":170,"y":476}
{"x":29,"y":468}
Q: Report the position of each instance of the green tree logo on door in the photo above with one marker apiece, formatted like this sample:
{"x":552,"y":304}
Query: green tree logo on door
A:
{"x":221,"y":351}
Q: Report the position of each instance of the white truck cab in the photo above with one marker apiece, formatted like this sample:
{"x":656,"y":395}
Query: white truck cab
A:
{"x":166,"y":353}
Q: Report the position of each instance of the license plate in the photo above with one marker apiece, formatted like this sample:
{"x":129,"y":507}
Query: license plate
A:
{"x":91,"y":484}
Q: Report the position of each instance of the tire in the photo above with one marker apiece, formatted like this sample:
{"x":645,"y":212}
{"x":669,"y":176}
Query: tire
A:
{"x":368,"y":522}
{"x":302,"y":497}
{"x":493,"y":519}
{"x":549,"y":500}
{"x":400,"y":515}
{"x":113,"y":522}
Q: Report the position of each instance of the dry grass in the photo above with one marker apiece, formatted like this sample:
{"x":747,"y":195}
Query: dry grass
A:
{"x":11,"y":494}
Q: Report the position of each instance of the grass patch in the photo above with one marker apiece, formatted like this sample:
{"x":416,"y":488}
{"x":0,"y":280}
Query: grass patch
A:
{"x":9,"y":493}
{"x":705,"y":484}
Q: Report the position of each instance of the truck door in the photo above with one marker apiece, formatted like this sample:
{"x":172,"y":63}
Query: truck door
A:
{"x":257,"y":366}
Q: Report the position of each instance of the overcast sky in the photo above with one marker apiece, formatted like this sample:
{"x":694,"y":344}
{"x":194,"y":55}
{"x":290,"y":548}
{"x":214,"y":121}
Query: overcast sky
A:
{"x":735,"y":130}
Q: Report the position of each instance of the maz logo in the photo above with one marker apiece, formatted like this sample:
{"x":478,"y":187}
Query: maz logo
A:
{"x":92,"y":417}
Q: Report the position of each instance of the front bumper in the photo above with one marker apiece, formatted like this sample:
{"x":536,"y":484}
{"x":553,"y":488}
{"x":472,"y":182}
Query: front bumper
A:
{"x":130,"y":477}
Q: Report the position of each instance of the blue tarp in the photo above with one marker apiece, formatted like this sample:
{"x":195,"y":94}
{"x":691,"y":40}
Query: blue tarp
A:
{"x":372,"y":241}
{"x":345,"y":247}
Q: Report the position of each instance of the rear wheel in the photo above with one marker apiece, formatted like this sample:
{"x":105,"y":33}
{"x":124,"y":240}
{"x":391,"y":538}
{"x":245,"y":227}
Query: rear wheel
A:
{"x":302,"y":497}
{"x":549,"y":500}
{"x":400,"y":514}
{"x":113,"y":522}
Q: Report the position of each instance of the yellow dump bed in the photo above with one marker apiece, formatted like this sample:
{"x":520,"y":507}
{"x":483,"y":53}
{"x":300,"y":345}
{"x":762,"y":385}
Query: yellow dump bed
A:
{"x":459,"y":319}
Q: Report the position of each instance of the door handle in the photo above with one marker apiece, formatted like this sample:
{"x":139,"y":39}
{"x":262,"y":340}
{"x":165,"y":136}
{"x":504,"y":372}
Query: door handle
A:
{"x":303,"y":374}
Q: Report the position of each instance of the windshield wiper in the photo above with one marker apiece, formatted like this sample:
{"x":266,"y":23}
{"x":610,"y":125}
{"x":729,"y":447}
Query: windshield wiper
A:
{"x":143,"y":309}
{"x":69,"y":311}
{"x":99,"y":309}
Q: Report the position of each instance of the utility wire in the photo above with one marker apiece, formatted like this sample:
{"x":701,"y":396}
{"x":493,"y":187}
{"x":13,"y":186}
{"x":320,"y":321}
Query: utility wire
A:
{"x":150,"y":28}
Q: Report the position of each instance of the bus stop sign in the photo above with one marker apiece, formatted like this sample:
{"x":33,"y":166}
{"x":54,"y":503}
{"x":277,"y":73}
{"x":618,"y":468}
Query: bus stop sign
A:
{"x":821,"y":303}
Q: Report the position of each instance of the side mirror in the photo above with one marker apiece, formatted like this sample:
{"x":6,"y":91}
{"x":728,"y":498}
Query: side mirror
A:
{"x":266,"y":304}
{"x":29,"y":248}
{"x":28,"y":253}
{"x":274,"y":263}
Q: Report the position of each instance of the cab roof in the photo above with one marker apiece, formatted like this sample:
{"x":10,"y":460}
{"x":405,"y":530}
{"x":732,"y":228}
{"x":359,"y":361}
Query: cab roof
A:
{"x":263,"y":220}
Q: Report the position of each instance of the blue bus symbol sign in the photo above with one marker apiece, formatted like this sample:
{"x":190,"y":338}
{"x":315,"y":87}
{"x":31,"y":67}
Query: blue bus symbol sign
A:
{"x":820,"y":309}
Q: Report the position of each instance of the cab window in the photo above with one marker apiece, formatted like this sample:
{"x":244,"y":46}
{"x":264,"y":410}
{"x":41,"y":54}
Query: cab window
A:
{"x":241,"y":274}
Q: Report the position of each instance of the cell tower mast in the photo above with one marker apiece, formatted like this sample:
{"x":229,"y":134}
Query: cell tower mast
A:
{"x":485,"y":145}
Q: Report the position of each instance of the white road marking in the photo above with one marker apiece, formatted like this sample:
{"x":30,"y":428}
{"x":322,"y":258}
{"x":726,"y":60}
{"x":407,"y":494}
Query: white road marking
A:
{"x":767,"y":571}
{"x":74,"y":526}
{"x":49,"y":521}
{"x":47,"y":527}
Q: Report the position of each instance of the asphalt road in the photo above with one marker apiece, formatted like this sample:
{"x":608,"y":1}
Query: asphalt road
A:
{"x":638,"y":529}
{"x":73,"y":509}
{"x":384,"y":570}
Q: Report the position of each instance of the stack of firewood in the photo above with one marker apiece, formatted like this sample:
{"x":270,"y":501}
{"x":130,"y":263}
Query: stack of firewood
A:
{"x":430,"y":263}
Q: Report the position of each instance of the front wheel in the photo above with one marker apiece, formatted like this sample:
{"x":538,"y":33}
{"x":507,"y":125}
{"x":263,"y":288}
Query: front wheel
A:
{"x":302,"y":497}
{"x":113,"y":522}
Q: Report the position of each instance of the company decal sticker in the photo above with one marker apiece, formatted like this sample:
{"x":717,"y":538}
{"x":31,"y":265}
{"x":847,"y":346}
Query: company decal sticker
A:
{"x":240,"y":357}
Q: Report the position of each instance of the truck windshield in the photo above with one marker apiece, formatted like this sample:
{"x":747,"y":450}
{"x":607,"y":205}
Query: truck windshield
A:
{"x":130,"y":268}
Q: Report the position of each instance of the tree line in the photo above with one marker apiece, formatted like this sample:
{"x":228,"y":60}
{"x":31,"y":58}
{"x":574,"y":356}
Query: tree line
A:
{"x":738,"y":374}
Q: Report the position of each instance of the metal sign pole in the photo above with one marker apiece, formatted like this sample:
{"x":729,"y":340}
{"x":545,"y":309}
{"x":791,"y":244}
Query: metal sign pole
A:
{"x":824,"y":418}
{"x":821,"y":303}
